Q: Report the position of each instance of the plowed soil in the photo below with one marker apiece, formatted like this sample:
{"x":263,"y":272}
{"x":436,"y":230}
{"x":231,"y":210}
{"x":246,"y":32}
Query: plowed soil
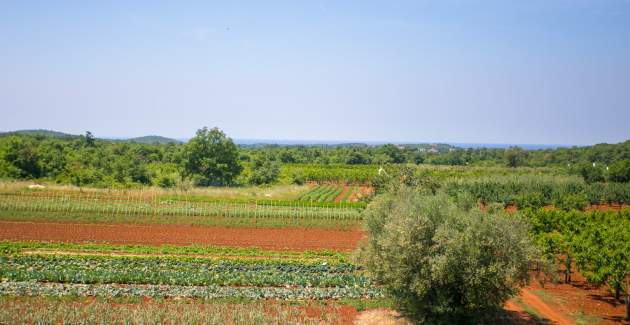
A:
{"x":270,"y":238}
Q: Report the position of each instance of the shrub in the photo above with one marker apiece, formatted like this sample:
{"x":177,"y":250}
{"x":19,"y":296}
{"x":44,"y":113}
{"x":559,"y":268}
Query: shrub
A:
{"x":577,"y":201}
{"x":264,"y":171}
{"x":441,"y":264}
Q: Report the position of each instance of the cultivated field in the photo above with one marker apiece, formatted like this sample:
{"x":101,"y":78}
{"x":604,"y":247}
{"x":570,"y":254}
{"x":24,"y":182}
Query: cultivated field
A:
{"x":217,"y":254}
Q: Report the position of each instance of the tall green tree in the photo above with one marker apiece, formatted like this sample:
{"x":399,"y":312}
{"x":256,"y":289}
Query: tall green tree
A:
{"x":22,"y":155}
{"x":211,"y":158}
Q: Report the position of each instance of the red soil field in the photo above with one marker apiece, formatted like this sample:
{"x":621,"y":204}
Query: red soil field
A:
{"x":342,"y":195}
{"x":270,"y":238}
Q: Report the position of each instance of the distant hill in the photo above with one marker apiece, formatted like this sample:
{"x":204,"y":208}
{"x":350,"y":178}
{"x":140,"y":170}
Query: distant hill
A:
{"x":150,"y":139}
{"x":153,"y":139}
{"x":41,"y":133}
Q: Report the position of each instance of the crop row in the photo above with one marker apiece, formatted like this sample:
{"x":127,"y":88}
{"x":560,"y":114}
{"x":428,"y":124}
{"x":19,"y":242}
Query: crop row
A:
{"x":308,"y":257}
{"x":177,"y":271}
{"x":322,"y":193}
{"x":139,"y":196}
{"x":346,"y":197}
{"x":166,"y":291}
{"x":91,"y":203}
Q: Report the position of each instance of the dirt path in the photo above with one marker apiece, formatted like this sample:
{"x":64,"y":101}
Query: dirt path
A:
{"x":549,"y":313}
{"x":271,"y":238}
{"x":342,"y":195}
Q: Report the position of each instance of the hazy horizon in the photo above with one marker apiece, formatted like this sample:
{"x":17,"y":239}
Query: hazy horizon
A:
{"x":288,"y":141}
{"x":487,"y":72}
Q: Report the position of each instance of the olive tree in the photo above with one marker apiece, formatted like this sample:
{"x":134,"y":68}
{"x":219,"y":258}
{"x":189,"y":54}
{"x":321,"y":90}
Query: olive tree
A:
{"x":440,"y":263}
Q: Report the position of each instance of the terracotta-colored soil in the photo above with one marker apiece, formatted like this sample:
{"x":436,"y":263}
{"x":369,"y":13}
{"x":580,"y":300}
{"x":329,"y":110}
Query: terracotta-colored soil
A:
{"x":363,"y":191}
{"x":548,"y":312}
{"x":342,"y":195}
{"x":271,"y":238}
{"x":580,"y":297}
{"x":515,"y":315}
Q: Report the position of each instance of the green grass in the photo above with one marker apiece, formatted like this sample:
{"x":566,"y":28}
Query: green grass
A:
{"x":582,"y":318}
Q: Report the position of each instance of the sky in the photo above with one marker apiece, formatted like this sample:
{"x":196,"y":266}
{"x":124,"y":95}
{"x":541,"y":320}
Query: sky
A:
{"x":544,"y":72}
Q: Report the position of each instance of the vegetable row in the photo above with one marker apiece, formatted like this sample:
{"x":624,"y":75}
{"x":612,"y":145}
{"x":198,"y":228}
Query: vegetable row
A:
{"x":177,"y":271}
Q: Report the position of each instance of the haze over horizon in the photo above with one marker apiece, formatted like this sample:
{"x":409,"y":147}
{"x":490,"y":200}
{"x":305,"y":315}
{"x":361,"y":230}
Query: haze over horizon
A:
{"x":536,"y":72}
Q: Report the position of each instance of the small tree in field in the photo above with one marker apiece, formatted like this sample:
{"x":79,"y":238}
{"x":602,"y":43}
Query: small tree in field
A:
{"x":441,"y":264}
{"x":211,"y":158}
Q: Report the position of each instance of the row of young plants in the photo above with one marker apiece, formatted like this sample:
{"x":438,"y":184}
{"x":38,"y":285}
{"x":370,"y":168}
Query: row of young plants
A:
{"x":322,"y":193}
{"x":564,"y":192}
{"x":186,"y":271}
{"x":346,"y":196}
{"x":12,"y":288}
{"x":597,"y":242}
{"x":91,"y":203}
{"x":329,"y":257}
{"x":151,"y":198}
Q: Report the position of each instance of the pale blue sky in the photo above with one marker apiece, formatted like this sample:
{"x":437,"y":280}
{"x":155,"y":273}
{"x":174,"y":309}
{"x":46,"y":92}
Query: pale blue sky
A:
{"x":414,"y":71}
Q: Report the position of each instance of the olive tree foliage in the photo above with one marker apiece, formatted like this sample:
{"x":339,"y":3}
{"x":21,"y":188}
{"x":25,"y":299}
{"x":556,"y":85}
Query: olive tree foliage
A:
{"x":440,"y":263}
{"x":211,"y":158}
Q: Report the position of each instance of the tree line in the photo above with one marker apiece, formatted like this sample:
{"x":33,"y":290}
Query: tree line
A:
{"x":212,"y":158}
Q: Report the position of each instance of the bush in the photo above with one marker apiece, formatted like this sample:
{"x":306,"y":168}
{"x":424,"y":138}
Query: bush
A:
{"x":166,"y":181}
{"x":441,"y":264}
{"x":578,"y":201}
{"x":264,"y":171}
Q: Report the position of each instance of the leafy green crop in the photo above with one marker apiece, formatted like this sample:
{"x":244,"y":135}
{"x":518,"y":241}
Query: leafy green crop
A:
{"x":177,"y":271}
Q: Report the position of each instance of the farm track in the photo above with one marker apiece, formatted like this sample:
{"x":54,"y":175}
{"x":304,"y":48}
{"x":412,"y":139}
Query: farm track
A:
{"x":274,"y":238}
{"x":549,"y":313}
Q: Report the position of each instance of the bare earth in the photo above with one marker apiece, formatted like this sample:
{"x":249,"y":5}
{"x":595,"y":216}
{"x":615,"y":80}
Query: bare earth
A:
{"x":271,"y":238}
